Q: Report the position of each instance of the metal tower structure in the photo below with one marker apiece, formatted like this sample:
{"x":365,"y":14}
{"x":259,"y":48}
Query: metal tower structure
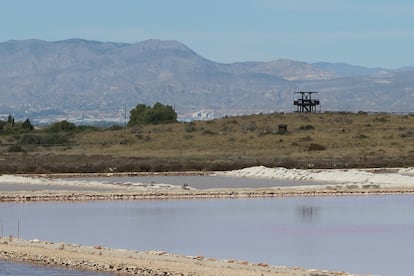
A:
{"x":305,"y":103}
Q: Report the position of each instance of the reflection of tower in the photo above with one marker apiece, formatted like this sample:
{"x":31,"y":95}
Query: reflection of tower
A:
{"x":307,"y":213}
{"x":306,"y":103}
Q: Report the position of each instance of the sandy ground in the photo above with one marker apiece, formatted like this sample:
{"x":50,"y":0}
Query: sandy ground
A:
{"x":46,"y":188}
{"x":325,"y":182}
{"x":357,"y":178}
{"x":380,"y":177}
{"x":119,"y":261}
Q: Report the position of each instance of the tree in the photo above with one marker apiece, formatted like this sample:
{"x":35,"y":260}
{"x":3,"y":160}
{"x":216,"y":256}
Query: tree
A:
{"x":27,"y":125}
{"x":158,"y":114}
{"x":62,"y":126}
{"x":10,"y":120}
{"x":137,"y":115}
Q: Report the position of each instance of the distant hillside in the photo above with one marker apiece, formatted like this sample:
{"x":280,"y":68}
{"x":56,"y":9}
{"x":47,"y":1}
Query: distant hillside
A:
{"x":347,"y":70}
{"x":89,"y":79}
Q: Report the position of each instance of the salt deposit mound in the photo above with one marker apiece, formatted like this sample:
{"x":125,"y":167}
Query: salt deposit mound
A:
{"x":388,"y":177}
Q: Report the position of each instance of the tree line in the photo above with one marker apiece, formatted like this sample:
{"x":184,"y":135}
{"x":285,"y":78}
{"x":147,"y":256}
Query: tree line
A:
{"x":140,"y":115}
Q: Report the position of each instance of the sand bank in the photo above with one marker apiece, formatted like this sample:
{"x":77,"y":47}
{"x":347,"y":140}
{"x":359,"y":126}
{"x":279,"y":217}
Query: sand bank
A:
{"x":338,"y":182}
{"x":98,"y":258}
{"x":380,"y":177}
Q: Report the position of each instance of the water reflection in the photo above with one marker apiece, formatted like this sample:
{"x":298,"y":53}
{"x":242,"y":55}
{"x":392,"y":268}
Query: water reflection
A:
{"x":307,"y":213}
{"x":354,"y":234}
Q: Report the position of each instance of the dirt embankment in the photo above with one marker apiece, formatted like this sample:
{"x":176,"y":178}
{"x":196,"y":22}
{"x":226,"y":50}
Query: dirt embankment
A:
{"x":217,"y":193}
{"x":338,"y":182}
{"x":129,"y":262}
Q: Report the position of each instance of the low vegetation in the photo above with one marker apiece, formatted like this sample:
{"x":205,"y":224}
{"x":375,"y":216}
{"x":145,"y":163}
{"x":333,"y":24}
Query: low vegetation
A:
{"x":12,"y":127}
{"x":322,"y":140}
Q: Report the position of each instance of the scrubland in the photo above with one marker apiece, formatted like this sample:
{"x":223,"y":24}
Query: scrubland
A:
{"x":321,"y":140}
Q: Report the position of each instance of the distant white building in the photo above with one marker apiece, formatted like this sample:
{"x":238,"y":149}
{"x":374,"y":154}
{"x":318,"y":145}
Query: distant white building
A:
{"x":203,"y":115}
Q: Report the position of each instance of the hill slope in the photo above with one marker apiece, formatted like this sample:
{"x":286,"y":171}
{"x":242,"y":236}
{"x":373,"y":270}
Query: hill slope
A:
{"x":95,"y":79}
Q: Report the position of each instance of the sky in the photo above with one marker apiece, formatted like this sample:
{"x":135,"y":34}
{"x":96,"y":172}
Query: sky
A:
{"x":371,"y":33}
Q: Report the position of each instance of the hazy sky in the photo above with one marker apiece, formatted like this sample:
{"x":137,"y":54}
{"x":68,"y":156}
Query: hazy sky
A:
{"x":374,"y":33}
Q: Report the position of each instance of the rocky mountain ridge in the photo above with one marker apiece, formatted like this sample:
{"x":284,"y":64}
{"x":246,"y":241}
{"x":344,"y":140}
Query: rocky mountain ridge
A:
{"x":92,"y":79}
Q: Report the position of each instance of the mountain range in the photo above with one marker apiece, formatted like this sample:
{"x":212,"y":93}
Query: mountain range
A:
{"x":86,"y":80}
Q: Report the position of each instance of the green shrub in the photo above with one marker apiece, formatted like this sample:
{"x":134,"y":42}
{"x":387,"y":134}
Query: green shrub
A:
{"x":27,"y":125}
{"x":190,"y":127}
{"x":15,"y":148}
{"x":265,"y":131}
{"x":12,"y":127}
{"x":381,"y":119}
{"x":87,"y":128}
{"x":307,"y":127}
{"x":48,"y":139}
{"x":53,"y":139}
{"x":115,"y":127}
{"x":316,"y":147}
{"x":209,"y":132}
{"x":29,"y":139}
{"x":407,"y":134}
{"x":305,"y":139}
{"x":62,"y":126}
{"x":281,"y":131}
{"x":250,"y":126}
{"x":360,"y":136}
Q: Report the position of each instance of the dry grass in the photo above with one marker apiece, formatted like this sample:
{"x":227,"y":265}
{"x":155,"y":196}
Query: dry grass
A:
{"x":324,"y":140}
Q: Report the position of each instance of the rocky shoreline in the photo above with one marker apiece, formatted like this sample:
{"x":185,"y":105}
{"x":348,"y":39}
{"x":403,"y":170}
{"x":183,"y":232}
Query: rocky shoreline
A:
{"x":51,"y":195}
{"x":128,"y":262}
